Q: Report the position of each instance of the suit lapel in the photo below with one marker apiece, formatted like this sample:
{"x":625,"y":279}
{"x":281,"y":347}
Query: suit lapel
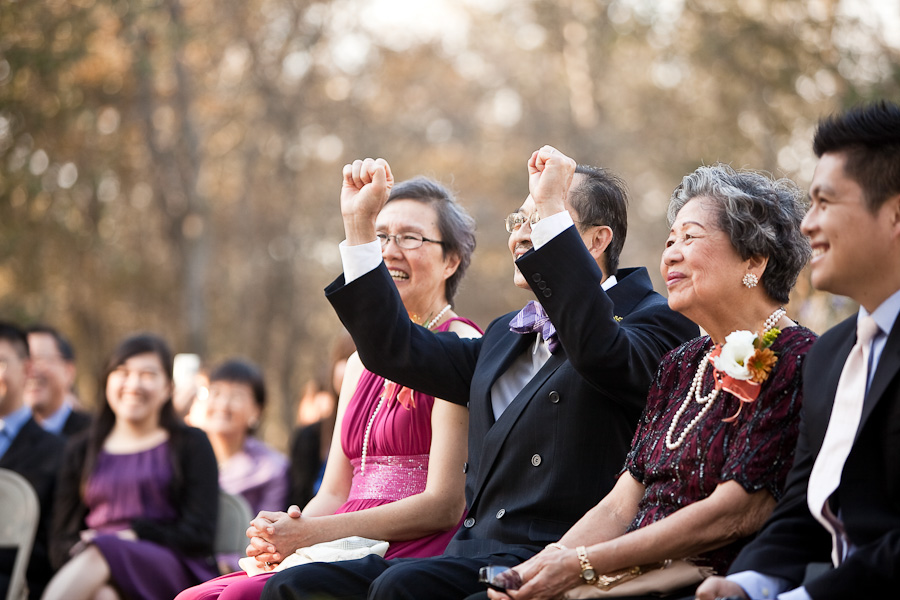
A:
{"x":496,"y":435}
{"x":888,"y":366}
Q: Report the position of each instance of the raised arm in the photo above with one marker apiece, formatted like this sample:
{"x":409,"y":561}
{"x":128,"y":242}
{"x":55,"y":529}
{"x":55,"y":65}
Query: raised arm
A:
{"x":617,"y":353}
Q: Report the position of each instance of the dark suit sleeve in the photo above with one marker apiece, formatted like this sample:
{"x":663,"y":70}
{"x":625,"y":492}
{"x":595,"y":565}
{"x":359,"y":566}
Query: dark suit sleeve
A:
{"x":69,"y":510}
{"x":791,"y":538}
{"x":619,"y":358}
{"x":197,"y":499}
{"x":389,"y":344}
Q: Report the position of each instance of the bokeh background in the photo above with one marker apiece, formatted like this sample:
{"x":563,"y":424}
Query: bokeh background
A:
{"x":174,"y":165}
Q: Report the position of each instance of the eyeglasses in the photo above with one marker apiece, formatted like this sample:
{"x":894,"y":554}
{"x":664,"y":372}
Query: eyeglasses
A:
{"x":515,"y":220}
{"x":406,"y":241}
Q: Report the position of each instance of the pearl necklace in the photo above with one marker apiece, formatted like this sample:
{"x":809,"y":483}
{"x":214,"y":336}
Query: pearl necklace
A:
{"x":707,"y":400}
{"x":365,"y":444}
{"x":437,"y":317}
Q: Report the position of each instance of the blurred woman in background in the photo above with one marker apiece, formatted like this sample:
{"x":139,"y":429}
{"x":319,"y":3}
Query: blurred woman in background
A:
{"x":231,"y":412}
{"x":137,"y":496}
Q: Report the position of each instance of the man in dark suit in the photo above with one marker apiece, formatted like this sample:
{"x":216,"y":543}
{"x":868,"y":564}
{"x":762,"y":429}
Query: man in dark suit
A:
{"x":842,"y":501}
{"x":551,"y":414}
{"x":29,"y":451}
{"x":48,"y":390}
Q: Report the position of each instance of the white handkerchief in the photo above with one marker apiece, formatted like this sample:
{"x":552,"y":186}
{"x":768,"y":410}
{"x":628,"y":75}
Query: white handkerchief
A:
{"x":348,"y":548}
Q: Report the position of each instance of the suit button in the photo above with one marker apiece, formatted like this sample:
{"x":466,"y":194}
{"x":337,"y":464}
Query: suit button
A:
{"x":465,"y":467}
{"x":547,"y":293}
{"x":470,"y":522}
{"x":536,"y":277}
{"x":536,"y":460}
{"x":500,"y":513}
{"x":554,"y":396}
{"x":542,"y":285}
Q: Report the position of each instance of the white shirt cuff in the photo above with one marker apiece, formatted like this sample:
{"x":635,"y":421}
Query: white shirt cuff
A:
{"x":549,"y":227}
{"x":359,"y":260}
{"x":766,"y":587}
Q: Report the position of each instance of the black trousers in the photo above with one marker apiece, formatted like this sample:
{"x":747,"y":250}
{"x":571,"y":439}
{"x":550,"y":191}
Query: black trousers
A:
{"x":374,"y":578}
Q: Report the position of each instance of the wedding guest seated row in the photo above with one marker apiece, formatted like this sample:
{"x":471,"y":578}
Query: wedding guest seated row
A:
{"x":716,"y":440}
{"x":553,"y":401}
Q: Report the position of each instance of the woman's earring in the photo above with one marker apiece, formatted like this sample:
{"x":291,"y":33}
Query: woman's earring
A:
{"x":750,"y":281}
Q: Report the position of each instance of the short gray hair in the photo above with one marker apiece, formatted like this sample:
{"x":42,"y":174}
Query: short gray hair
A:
{"x":761,"y":216}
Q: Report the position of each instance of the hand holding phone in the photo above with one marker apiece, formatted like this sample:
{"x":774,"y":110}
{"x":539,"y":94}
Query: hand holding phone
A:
{"x":500,"y":578}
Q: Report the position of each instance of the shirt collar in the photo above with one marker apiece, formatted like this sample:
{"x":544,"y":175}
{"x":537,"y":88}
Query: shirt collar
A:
{"x":55,"y":422}
{"x":608,"y":283}
{"x":886,"y":313}
{"x":13,"y":422}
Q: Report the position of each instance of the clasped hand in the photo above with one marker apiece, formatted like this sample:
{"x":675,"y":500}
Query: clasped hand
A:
{"x":275,"y":536}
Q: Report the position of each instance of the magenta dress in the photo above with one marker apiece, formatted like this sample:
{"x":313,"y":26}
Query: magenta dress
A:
{"x":396,"y":467}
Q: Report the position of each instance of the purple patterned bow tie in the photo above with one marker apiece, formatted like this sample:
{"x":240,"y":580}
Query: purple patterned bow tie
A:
{"x":534,"y":318}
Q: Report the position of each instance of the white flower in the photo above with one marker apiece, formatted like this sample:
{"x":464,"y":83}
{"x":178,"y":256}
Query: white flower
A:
{"x":736,"y":352}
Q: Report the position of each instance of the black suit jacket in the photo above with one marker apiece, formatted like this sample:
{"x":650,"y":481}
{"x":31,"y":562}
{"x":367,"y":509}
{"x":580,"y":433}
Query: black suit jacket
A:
{"x":869,"y":494}
{"x":78,"y":421}
{"x":36,"y":455}
{"x":556,"y":449}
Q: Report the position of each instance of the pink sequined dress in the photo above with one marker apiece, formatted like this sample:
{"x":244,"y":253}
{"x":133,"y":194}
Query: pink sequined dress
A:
{"x":396,"y":467}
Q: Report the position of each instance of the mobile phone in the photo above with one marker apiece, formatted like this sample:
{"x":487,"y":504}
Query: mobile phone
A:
{"x":500,"y":578}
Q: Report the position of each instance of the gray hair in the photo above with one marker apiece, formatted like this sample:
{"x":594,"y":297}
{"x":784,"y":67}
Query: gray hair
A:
{"x":457,"y":227}
{"x":760,"y":215}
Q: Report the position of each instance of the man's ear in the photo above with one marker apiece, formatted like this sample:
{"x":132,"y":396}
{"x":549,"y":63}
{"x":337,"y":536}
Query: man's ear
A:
{"x":600,"y":238}
{"x":892,"y":205}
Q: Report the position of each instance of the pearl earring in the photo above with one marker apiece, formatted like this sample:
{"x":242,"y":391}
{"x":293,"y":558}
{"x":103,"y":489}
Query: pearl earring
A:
{"x":750,"y":280}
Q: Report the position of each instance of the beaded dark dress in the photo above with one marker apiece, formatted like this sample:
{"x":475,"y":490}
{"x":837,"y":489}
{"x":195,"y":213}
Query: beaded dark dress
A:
{"x":756,"y":450}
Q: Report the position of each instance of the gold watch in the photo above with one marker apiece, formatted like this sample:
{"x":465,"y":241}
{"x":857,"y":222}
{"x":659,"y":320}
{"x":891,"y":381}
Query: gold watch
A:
{"x":588,"y":574}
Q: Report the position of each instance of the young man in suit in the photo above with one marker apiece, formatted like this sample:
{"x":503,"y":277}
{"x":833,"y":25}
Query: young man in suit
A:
{"x":842,"y":501}
{"x":48,"y":390}
{"x":28,"y":450}
{"x":551,"y":413}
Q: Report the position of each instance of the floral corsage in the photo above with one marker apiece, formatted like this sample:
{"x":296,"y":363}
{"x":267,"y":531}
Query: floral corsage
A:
{"x":743,"y":363}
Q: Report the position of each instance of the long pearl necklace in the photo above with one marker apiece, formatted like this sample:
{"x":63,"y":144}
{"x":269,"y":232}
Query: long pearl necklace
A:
{"x":707,"y":400}
{"x":365,"y":444}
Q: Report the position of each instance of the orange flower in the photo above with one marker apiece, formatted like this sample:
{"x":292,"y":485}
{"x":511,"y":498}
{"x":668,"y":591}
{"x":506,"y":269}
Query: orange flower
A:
{"x":760,"y":364}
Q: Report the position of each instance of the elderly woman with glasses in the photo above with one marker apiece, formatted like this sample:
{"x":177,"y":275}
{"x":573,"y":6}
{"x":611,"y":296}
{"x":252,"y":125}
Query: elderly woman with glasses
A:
{"x":712,"y":450}
{"x":392,"y":473}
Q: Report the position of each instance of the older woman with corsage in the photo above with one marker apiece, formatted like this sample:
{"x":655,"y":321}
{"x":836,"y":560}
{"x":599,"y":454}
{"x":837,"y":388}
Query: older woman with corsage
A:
{"x":712,"y":450}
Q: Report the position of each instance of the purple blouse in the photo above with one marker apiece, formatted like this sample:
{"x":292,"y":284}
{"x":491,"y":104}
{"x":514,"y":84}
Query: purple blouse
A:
{"x":125,"y":487}
{"x":259,"y":473}
{"x":756,"y":450}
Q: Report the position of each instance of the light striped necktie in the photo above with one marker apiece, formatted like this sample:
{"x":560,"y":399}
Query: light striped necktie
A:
{"x":842,"y":426}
